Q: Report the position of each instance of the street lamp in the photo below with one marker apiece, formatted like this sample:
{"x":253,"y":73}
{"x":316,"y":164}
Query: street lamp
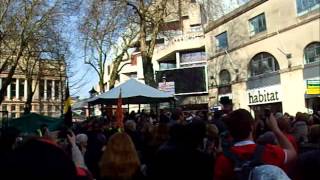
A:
{"x":93,"y":92}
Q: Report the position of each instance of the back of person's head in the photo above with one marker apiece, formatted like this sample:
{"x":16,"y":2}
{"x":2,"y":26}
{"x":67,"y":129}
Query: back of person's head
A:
{"x":302,"y":117}
{"x":314,"y":134}
{"x":8,"y":138}
{"x":120,"y":159}
{"x":283,"y":123}
{"x":160,"y":134}
{"x":195,"y":132}
{"x":40,"y":159}
{"x":267,"y":138}
{"x":81,"y":139}
{"x":240,"y":124}
{"x":130,"y":125}
{"x":176,"y":114}
{"x":212,"y":131}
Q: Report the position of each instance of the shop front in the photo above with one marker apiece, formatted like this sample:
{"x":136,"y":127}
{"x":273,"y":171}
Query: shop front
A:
{"x":269,"y":97}
{"x":312,"y":95}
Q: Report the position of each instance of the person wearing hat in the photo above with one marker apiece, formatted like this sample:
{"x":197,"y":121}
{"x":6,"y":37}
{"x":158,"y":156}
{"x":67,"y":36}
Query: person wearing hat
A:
{"x":227,"y":105}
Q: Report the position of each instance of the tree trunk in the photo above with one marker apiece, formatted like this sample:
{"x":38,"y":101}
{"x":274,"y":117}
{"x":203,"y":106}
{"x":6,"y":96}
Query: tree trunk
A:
{"x":148,"y":71}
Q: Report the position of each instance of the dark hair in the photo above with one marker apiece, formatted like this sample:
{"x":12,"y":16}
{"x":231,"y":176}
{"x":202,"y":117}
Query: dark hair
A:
{"x":42,"y":159}
{"x":239,"y":123}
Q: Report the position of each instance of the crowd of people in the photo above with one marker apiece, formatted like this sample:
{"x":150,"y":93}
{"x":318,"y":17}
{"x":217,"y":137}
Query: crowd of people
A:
{"x":225,"y":144}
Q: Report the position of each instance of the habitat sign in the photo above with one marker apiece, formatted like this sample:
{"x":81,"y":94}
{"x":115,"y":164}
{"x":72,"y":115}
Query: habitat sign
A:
{"x":313,"y":86}
{"x":265,"y":95}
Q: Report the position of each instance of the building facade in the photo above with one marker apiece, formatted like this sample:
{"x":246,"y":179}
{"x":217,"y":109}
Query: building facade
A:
{"x":266,"y":54}
{"x":48,"y":89}
{"x":179,"y":59}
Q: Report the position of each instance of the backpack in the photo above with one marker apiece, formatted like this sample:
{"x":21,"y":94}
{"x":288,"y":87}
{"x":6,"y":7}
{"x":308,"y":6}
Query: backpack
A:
{"x":243,"y":167}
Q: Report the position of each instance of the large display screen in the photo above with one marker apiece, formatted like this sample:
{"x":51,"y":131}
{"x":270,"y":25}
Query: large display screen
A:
{"x":187,"y":80}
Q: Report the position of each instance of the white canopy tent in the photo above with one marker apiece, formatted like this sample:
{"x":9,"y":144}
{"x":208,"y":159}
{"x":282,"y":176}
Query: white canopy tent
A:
{"x":132,"y":92}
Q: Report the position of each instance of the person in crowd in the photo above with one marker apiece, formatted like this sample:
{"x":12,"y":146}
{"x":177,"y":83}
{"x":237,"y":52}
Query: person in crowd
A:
{"x":240,"y":124}
{"x":284,"y":125}
{"x":177,"y":117}
{"x":300,"y":127}
{"x":227,"y":105}
{"x":308,"y":165}
{"x":82,"y":142}
{"x":40,"y":158}
{"x":211,"y":141}
{"x":130,"y":127}
{"x":218,"y":121}
{"x":180,"y":157}
{"x":120,"y":159}
{"x":316,"y":115}
{"x":96,"y":140}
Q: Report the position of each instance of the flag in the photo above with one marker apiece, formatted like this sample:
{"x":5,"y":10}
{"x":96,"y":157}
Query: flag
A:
{"x":119,"y":112}
{"x":67,"y":108}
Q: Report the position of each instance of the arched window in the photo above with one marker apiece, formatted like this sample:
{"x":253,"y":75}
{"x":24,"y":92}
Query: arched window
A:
{"x":312,"y":53}
{"x":263,"y":63}
{"x":224,"y":77}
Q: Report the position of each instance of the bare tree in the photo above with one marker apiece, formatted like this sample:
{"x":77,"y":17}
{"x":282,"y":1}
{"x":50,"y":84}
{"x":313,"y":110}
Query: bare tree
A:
{"x":24,"y":24}
{"x":103,"y":24}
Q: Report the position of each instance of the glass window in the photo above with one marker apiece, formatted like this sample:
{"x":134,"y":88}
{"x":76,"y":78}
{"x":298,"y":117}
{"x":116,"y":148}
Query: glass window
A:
{"x":21,"y":108}
{"x":49,"y":89}
{"x":312,"y":53}
{"x":13,"y":115}
{"x":167,"y":65}
{"x":189,"y":57}
{"x":4,"y":107}
{"x":13,"y":88}
{"x":257,"y":24}
{"x":41,"y":88}
{"x":21,"y":88}
{"x":304,"y":6}
{"x":5,"y":92}
{"x":224,"y":77}
{"x":263,"y":63}
{"x":56,"y":89}
{"x":222,"y":41}
{"x":13,"y":108}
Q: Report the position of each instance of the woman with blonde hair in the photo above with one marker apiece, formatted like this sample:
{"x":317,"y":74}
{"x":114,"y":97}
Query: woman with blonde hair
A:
{"x":120,"y":159}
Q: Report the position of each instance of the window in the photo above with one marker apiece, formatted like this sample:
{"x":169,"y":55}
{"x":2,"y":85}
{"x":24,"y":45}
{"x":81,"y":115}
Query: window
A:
{"x":263,"y":63}
{"x":21,"y":88}
{"x":312,"y":53}
{"x":167,"y":64}
{"x":224,"y":77}
{"x":13,"y":115}
{"x":222,"y":41}
{"x":305,"y":6}
{"x":4,"y":107}
{"x":21,"y":108}
{"x":13,"y":88}
{"x":189,"y":57}
{"x":56,"y":89}
{"x":5,"y":92}
{"x":195,"y":28}
{"x":50,"y":107}
{"x":13,"y":108}
{"x":41,"y":88}
{"x":49,"y":89}
{"x":257,"y":24}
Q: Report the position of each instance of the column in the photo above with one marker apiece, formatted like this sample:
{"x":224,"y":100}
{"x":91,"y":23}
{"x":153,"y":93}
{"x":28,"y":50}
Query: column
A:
{"x":9,"y":91}
{"x":17,"y":89}
{"x":178,"y":59}
{"x":25,"y":93}
{"x":0,"y":82}
{"x":45,"y":90}
{"x":52,"y":89}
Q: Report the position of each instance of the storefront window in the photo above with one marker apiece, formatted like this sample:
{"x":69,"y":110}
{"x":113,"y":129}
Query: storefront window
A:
{"x":263,"y":63}
{"x":189,"y":57}
{"x":312,"y":53}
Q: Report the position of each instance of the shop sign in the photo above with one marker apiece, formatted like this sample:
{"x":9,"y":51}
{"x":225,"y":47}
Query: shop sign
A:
{"x":313,"y":86}
{"x":265,"y":95}
{"x":168,"y":87}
